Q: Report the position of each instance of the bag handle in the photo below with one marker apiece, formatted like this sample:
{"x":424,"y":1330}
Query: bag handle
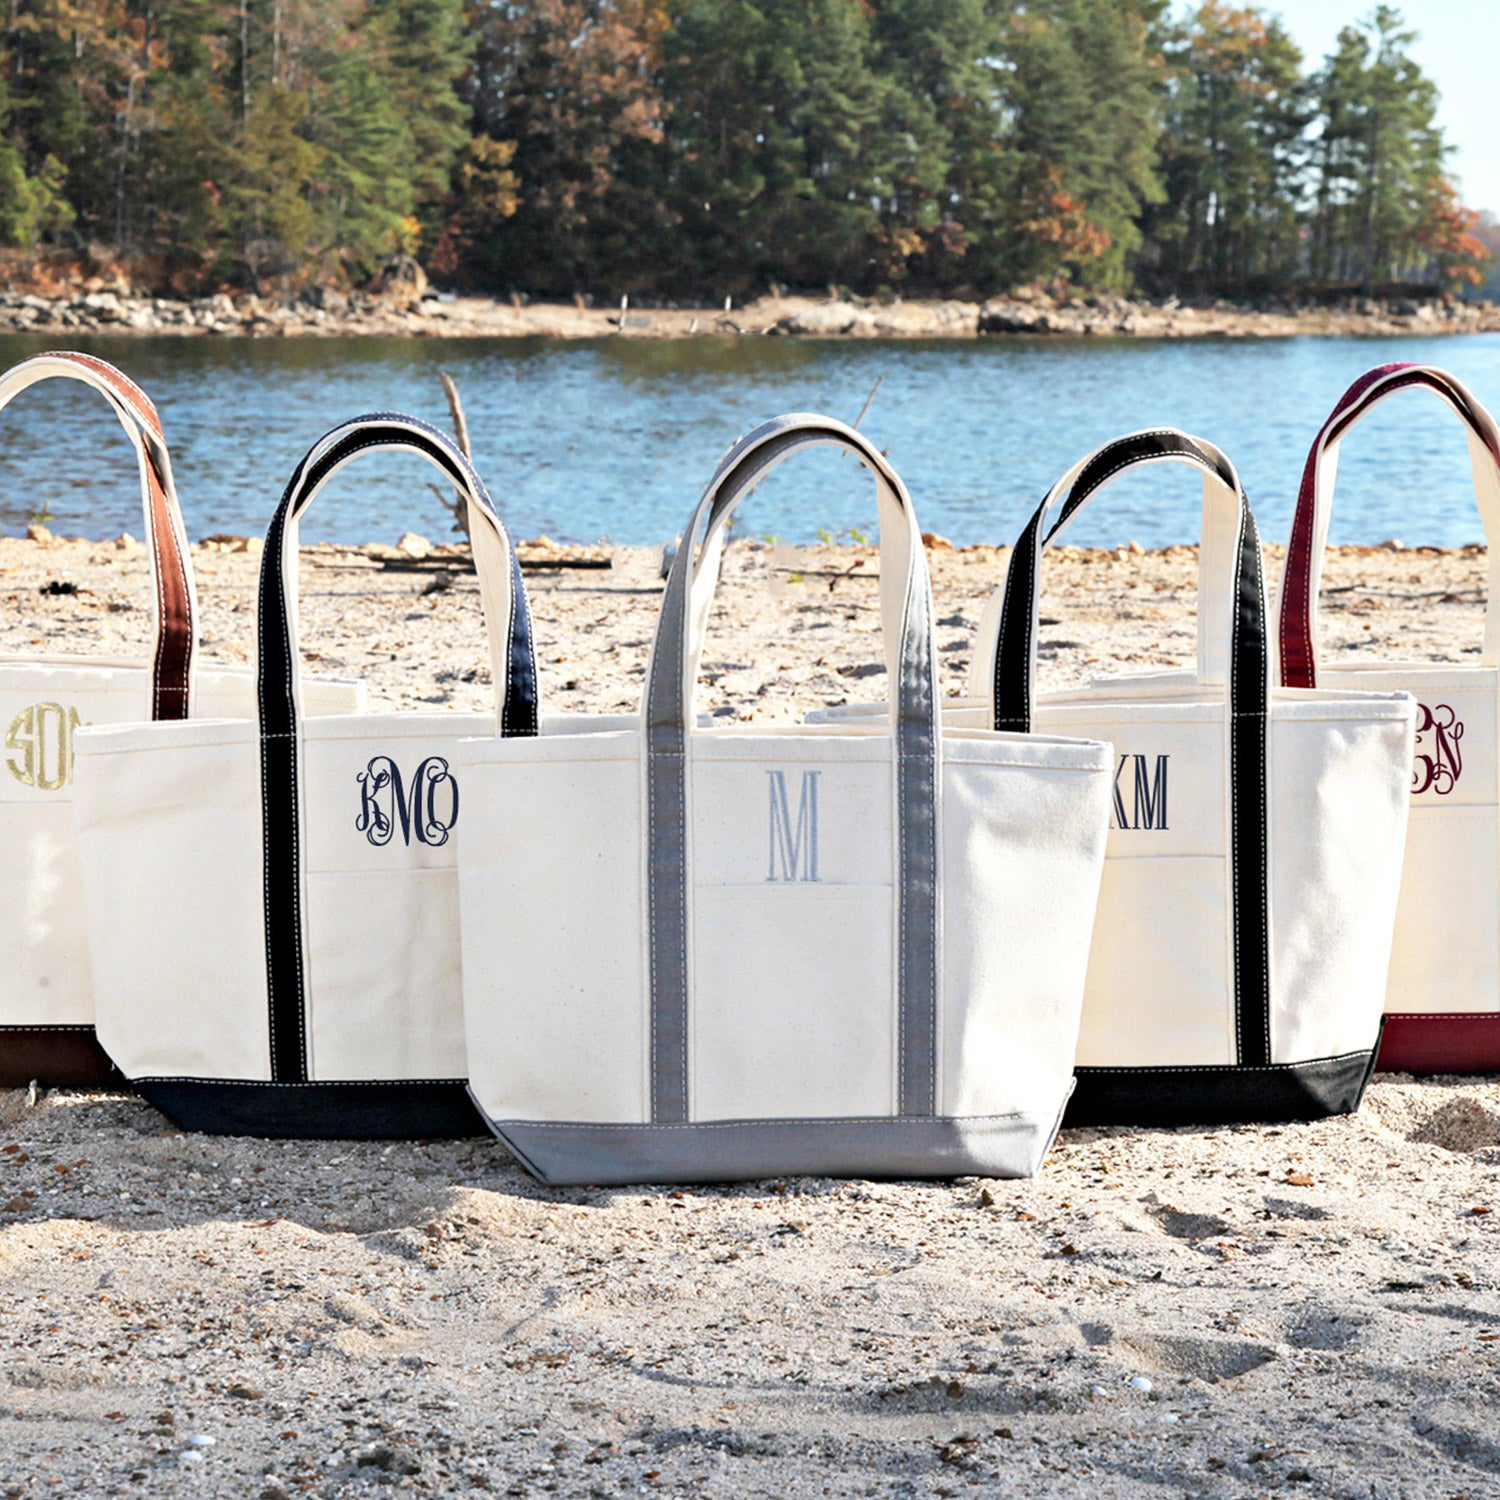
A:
{"x":1231,"y":573}
{"x":906,"y":598}
{"x":1235,"y":549}
{"x":512,"y":663}
{"x":174,"y":603}
{"x":1303,"y":572}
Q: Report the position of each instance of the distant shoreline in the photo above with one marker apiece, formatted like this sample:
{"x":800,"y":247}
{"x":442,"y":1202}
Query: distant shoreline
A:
{"x":330,"y":314}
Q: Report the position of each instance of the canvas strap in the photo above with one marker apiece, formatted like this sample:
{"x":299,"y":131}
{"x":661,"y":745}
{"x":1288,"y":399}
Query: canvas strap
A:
{"x":1302,"y":575}
{"x":1246,"y":701}
{"x":508,"y":624}
{"x":173,"y":601}
{"x":907,"y":613}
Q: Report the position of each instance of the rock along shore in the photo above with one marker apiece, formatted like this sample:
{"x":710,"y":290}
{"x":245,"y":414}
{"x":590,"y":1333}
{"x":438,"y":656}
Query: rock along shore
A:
{"x":323,"y":312}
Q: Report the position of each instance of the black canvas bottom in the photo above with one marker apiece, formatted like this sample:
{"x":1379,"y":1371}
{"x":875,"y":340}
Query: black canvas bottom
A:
{"x":354,"y":1111}
{"x":1282,"y":1093}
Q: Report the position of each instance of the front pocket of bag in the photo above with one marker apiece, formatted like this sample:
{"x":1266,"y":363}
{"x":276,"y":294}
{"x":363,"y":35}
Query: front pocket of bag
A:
{"x":793,"y":1001}
{"x":384,"y":983}
{"x":1157,"y":993}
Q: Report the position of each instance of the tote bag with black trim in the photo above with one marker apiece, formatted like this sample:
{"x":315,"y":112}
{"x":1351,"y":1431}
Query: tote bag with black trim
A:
{"x":46,"y":999}
{"x":1443,"y":999}
{"x":1238,"y":960}
{"x":272,"y":901}
{"x":702,"y":955}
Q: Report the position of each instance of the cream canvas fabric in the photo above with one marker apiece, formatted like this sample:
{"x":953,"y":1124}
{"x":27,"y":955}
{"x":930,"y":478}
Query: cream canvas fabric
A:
{"x":1255,"y":845}
{"x":696,"y":955}
{"x":300,"y":975}
{"x":1443,"y":1003}
{"x":46,"y":999}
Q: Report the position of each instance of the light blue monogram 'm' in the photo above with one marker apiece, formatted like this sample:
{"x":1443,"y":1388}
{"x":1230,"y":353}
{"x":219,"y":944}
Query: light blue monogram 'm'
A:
{"x":793,"y":851}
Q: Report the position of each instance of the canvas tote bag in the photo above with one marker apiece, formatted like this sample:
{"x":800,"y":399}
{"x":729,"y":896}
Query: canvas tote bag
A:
{"x":46,"y":1002}
{"x":304,"y":979}
{"x":1256,"y":834}
{"x":1254,"y":848}
{"x":1443,"y":1000}
{"x":705,"y":955}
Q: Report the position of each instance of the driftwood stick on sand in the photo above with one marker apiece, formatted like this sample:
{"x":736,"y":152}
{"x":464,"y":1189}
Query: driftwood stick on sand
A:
{"x":456,"y":506}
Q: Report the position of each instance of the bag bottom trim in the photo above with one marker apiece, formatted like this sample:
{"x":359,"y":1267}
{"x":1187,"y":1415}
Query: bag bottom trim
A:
{"x":339,"y":1110}
{"x":1449,"y":1043}
{"x":1224,"y":1094}
{"x":577,"y":1153}
{"x":57,"y":1057}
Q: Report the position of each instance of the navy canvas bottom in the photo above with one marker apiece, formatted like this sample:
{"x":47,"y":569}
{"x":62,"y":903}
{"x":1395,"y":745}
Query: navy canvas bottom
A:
{"x":575,"y":1153}
{"x":1281,"y":1093}
{"x":376,"y":1110}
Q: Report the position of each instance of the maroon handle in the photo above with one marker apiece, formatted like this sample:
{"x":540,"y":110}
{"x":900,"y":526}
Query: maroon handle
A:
{"x":1299,"y":667}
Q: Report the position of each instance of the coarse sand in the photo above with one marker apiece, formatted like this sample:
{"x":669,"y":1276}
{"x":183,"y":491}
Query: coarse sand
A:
{"x":1308,"y":1310}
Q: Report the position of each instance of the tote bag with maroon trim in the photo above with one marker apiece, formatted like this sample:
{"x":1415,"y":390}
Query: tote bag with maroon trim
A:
{"x":1443,"y":995}
{"x":46,"y":1003}
{"x":272,"y":901}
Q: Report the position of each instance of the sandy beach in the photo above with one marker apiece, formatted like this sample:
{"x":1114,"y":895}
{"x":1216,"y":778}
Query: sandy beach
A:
{"x":1232,"y":1314}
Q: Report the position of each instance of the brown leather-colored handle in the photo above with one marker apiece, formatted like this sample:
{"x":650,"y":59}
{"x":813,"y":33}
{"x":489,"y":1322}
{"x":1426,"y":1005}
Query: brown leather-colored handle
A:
{"x":166,"y":539}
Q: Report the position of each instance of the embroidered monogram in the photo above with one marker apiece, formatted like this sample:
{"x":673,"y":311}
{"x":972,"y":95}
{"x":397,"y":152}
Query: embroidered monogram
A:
{"x":1147,"y":794}
{"x":40,"y":740}
{"x":426,"y":811}
{"x":794,"y":851}
{"x":1438,"y":763}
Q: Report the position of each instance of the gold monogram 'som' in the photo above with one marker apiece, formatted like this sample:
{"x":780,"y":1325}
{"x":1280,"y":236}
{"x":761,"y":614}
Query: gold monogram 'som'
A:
{"x":1438,"y":764}
{"x":40,"y":741}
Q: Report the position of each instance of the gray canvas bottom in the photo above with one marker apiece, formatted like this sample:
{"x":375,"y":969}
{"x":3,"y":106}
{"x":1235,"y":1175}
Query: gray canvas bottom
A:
{"x":576,"y":1154}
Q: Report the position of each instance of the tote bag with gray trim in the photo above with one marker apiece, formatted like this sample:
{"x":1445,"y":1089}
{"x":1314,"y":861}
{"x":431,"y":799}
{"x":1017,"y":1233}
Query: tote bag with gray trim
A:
{"x":46,"y":1000}
{"x":272,"y":901}
{"x":1255,"y":845}
{"x":1443,"y":999}
{"x":706,"y":955}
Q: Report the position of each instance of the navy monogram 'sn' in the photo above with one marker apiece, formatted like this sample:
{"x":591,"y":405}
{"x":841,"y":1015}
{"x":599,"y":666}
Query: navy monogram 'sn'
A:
{"x":427,"y":811}
{"x":794,"y":851}
{"x":1146,"y":806}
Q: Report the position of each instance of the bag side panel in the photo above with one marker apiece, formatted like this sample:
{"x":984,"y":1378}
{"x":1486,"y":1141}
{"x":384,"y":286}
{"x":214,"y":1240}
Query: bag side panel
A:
{"x":552,"y":912}
{"x":170,"y":844}
{"x":1023,"y":848}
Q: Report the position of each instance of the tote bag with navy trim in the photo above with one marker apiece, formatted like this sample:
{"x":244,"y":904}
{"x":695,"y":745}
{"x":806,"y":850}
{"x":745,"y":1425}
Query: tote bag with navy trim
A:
{"x":272,"y":901}
{"x":46,"y":1000}
{"x":1245,"y":913}
{"x":1443,"y":1000}
{"x":702,"y":955}
{"x":1255,"y":845}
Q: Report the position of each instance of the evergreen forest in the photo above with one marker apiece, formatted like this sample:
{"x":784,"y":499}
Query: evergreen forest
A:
{"x":700,"y":149}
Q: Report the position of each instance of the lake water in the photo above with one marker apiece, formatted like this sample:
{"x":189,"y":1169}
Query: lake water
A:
{"x":614,"y":438}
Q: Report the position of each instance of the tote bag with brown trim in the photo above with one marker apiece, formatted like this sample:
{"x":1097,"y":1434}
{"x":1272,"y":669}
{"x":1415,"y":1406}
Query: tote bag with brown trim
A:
{"x":46,"y":998}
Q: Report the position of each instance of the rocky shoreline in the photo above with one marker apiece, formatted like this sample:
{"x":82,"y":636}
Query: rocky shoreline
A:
{"x":409,"y":310}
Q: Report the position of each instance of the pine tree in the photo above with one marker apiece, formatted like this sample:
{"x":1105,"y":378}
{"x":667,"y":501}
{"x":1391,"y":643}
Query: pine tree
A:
{"x":1233,"y":152}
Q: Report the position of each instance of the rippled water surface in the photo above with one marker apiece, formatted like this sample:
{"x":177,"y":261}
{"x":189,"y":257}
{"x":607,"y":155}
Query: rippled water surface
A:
{"x":614,"y":438}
